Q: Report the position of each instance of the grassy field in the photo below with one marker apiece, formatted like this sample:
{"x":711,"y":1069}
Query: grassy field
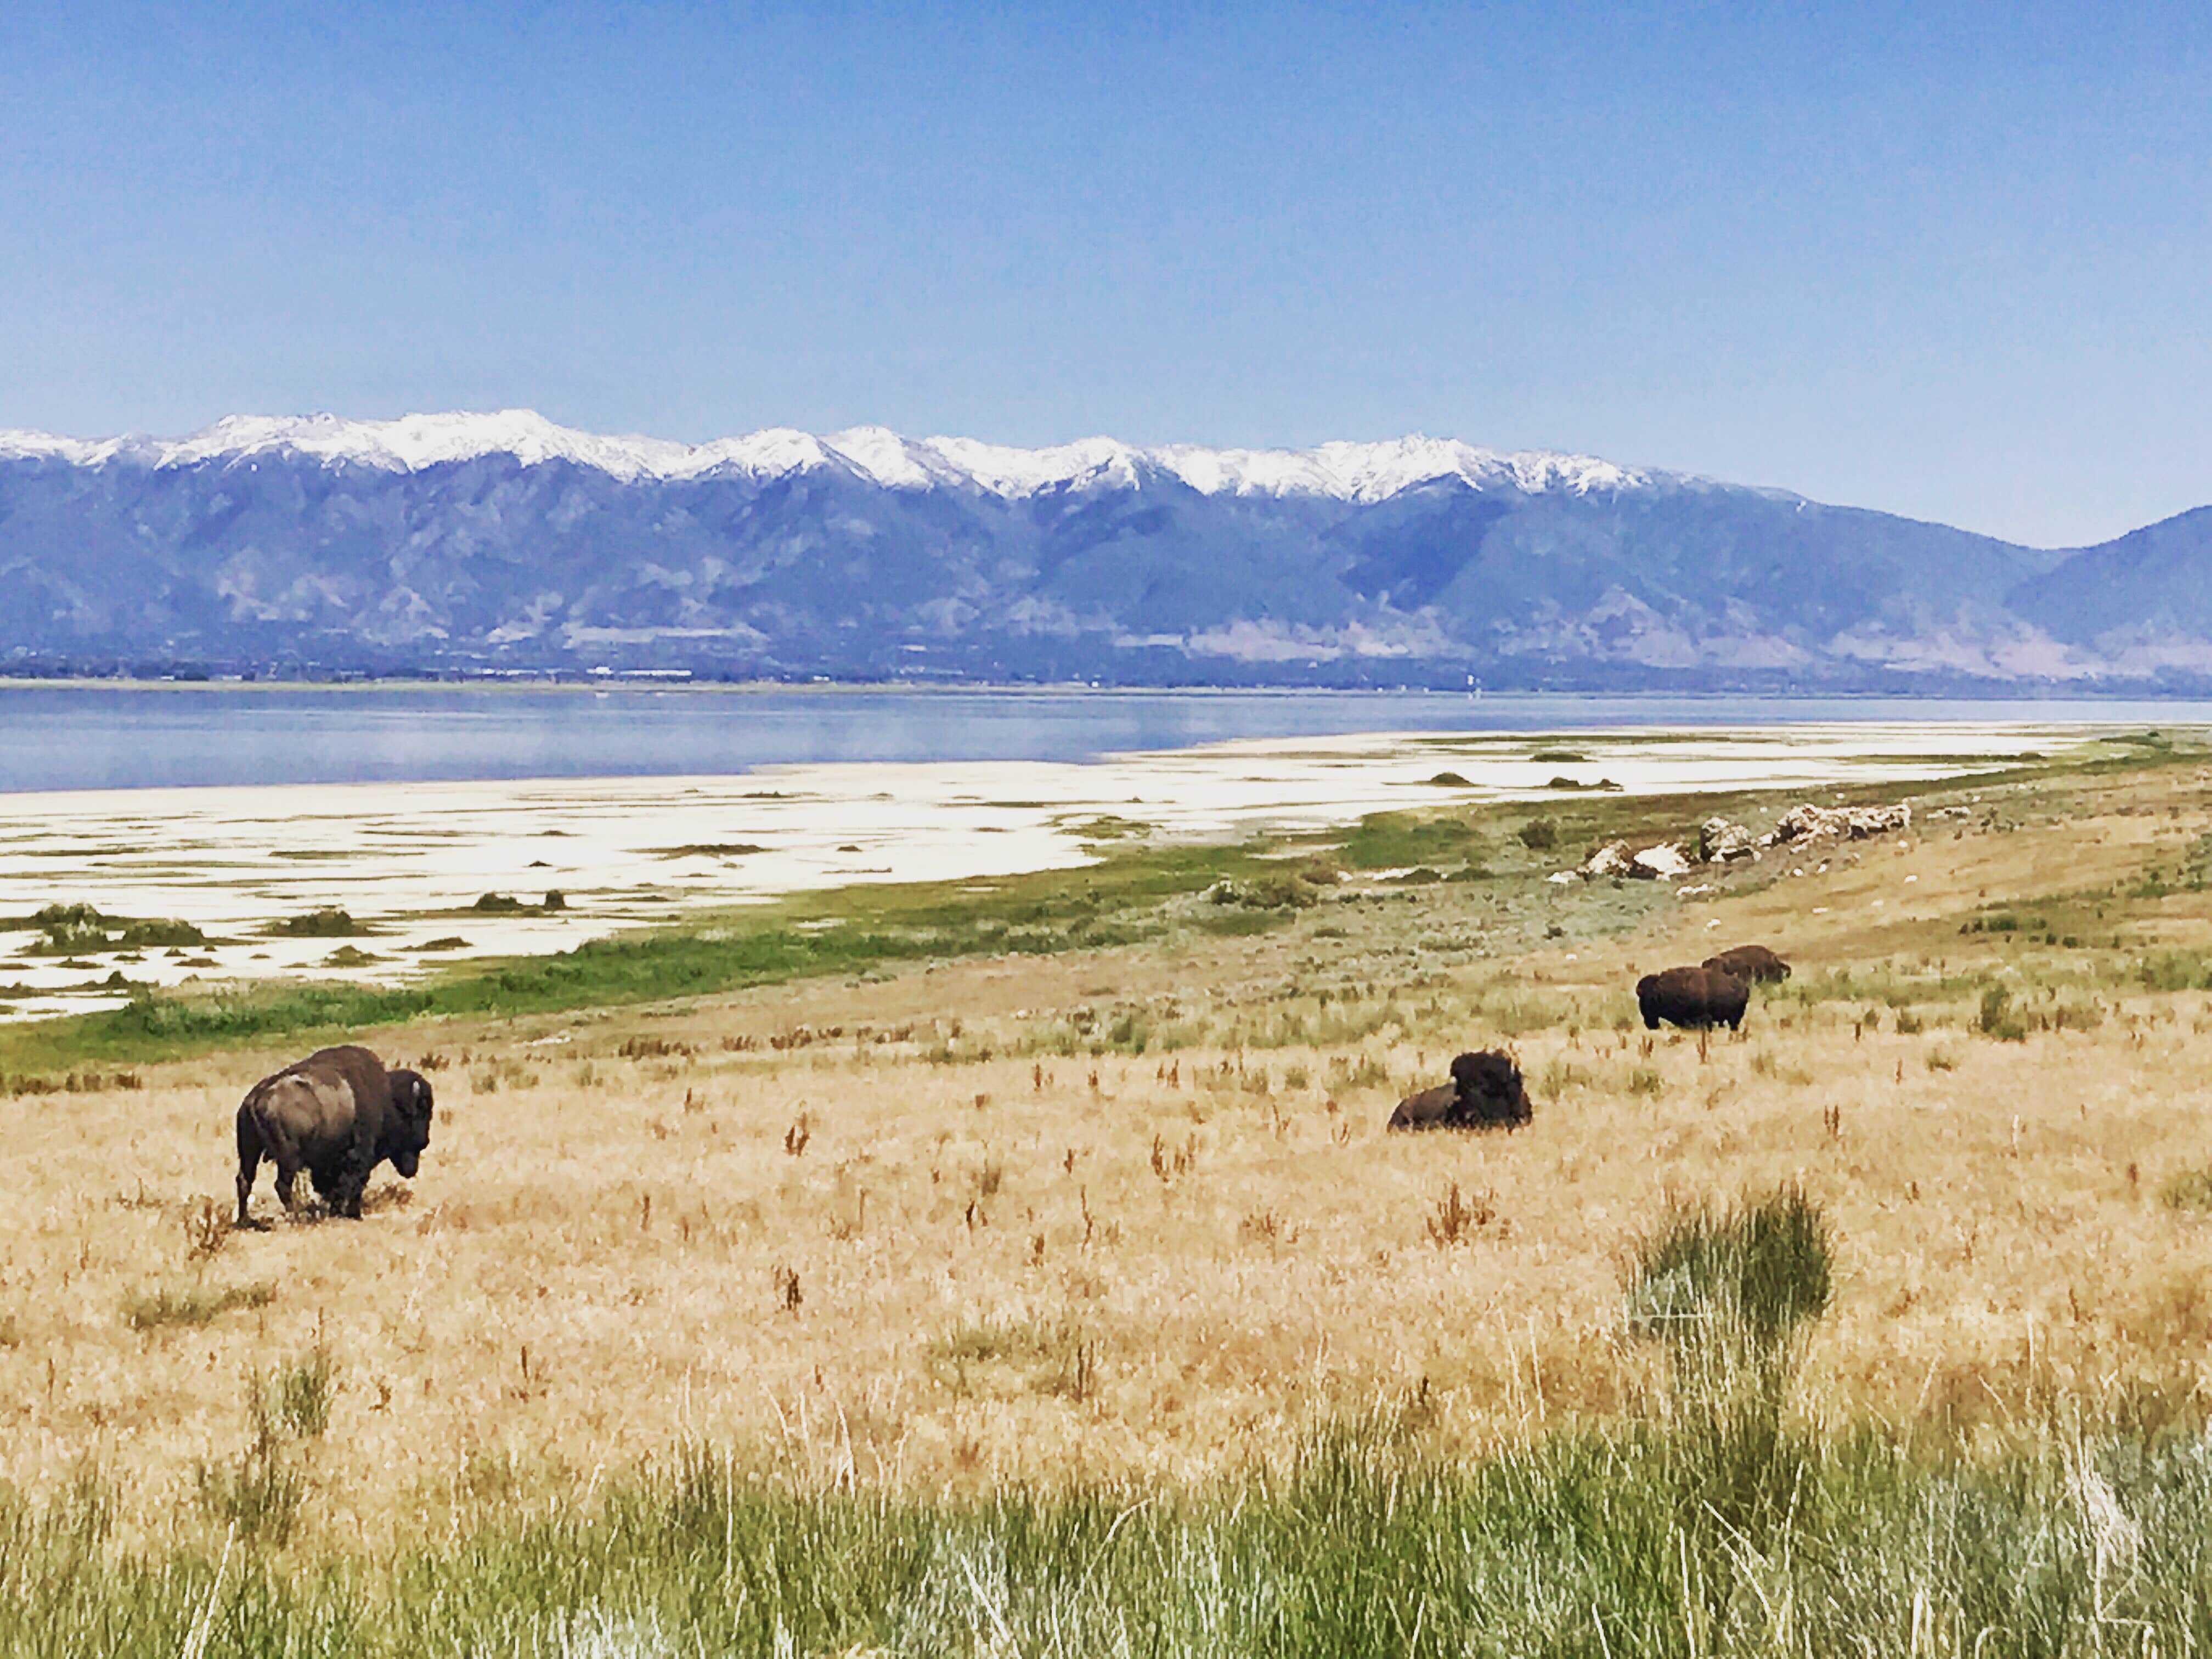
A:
{"x":1038,"y":1278}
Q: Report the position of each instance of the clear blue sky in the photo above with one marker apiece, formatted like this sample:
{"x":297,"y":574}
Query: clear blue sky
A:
{"x":1955,"y":263}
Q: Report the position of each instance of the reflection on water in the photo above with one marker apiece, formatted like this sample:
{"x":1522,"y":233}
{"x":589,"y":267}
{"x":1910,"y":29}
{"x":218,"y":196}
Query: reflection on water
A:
{"x":94,"y":736}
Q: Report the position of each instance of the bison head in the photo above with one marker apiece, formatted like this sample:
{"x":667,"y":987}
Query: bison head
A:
{"x":1489,"y":1088}
{"x":410,"y":1130}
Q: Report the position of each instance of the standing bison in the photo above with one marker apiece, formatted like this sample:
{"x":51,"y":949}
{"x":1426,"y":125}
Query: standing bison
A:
{"x":338,"y":1114}
{"x":1484,"y":1093}
{"x":1692,"y":997}
{"x":1754,"y":964}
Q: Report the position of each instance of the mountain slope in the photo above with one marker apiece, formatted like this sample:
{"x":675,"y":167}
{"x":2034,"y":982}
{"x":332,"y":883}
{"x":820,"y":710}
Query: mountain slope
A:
{"x":2143,"y":601}
{"x":458,"y":541}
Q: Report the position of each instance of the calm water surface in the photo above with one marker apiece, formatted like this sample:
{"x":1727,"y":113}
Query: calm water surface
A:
{"x":110,"y":738}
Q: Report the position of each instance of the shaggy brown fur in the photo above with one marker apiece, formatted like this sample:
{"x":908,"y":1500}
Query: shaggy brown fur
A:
{"x":1753,"y":964}
{"x":1486,"y":1092}
{"x":338,"y":1114}
{"x":1692,"y":997}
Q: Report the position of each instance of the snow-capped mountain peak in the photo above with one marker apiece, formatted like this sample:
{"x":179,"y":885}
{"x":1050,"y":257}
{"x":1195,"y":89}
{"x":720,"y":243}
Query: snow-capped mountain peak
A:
{"x":1345,"y":470}
{"x":503,"y":542}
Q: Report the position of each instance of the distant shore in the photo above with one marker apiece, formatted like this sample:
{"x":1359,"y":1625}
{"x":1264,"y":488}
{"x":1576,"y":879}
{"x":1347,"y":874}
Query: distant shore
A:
{"x":653,"y":680}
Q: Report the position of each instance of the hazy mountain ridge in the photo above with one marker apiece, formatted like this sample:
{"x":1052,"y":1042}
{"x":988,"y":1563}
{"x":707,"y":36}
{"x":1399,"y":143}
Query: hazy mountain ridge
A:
{"x":452,"y":542}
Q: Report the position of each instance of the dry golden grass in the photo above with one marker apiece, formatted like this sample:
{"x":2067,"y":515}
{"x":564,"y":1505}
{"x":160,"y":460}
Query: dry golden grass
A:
{"x":864,"y":1259}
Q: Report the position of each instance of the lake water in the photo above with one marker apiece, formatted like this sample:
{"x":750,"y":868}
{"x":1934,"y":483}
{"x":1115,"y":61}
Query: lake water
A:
{"x":235,"y":809}
{"x":106,"y":737}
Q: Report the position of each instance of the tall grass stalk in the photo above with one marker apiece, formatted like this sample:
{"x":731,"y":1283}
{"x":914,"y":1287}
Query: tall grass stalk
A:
{"x":1580,"y":1544}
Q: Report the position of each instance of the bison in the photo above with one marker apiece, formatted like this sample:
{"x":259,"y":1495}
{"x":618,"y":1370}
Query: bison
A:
{"x":338,"y":1114}
{"x":1484,"y":1093}
{"x":1697,"y":998}
{"x":1754,"y":964}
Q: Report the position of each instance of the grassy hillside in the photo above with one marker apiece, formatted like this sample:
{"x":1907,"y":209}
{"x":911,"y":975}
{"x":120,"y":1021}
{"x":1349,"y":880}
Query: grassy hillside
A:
{"x":1045,"y":1293}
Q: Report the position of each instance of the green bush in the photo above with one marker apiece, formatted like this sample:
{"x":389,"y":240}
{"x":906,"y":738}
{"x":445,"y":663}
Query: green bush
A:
{"x":1996,"y":1018}
{"x":1269,"y":890}
{"x":298,"y":1398}
{"x":2190,"y":1190}
{"x":258,"y":1492}
{"x":71,"y":929}
{"x":1757,"y":1272}
{"x":331,"y":922}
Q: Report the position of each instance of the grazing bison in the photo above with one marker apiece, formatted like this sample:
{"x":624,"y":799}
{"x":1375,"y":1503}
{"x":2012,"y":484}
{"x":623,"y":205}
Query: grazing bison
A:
{"x":1484,"y":1093}
{"x":338,"y":1114}
{"x":1692,"y":997}
{"x":1754,"y":964}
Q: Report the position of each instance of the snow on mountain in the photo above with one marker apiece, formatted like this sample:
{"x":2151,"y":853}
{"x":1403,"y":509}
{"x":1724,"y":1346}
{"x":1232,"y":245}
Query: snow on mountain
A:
{"x":1345,"y":471}
{"x":504,"y":543}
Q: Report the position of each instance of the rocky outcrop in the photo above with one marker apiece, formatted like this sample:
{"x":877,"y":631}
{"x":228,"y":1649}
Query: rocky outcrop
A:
{"x":1720,"y":841}
{"x":1664,"y":862}
{"x":1614,"y":858}
{"x":1807,"y":823}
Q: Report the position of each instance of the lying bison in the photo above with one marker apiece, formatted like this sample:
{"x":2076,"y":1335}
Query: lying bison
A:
{"x":1695,"y":997}
{"x":338,"y":1114}
{"x":1484,"y":1093}
{"x":1754,"y":964}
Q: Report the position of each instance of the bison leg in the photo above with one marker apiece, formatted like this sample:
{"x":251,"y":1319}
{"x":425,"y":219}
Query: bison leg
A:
{"x":249,"y":1164}
{"x":350,"y":1181}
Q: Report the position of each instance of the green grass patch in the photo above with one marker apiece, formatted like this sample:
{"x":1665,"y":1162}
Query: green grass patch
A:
{"x":1579,"y":1545}
{"x":1384,"y":840}
{"x":2175,"y":970}
{"x":189,"y":1302}
{"x":1239,"y":924}
{"x":506,"y":904}
{"x":845,"y":931}
{"x":1107,"y":827}
{"x":2190,"y":1190}
{"x":1041,"y":1357}
{"x":1996,"y":1017}
{"x":331,"y":922}
{"x":68,"y":929}
{"x":1760,"y":1269}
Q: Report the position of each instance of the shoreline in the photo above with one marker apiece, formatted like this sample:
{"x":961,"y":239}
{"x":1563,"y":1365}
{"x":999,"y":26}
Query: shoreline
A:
{"x":433,"y":875}
{"x":651,"y":682}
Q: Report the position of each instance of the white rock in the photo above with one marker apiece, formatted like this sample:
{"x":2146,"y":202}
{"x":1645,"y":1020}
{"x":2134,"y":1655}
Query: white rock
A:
{"x":1667,"y":860}
{"x":1611,"y":860}
{"x":1720,"y":841}
{"x":1809,"y":823}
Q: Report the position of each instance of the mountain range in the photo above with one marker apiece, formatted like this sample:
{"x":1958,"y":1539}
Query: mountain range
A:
{"x":503,"y":543}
